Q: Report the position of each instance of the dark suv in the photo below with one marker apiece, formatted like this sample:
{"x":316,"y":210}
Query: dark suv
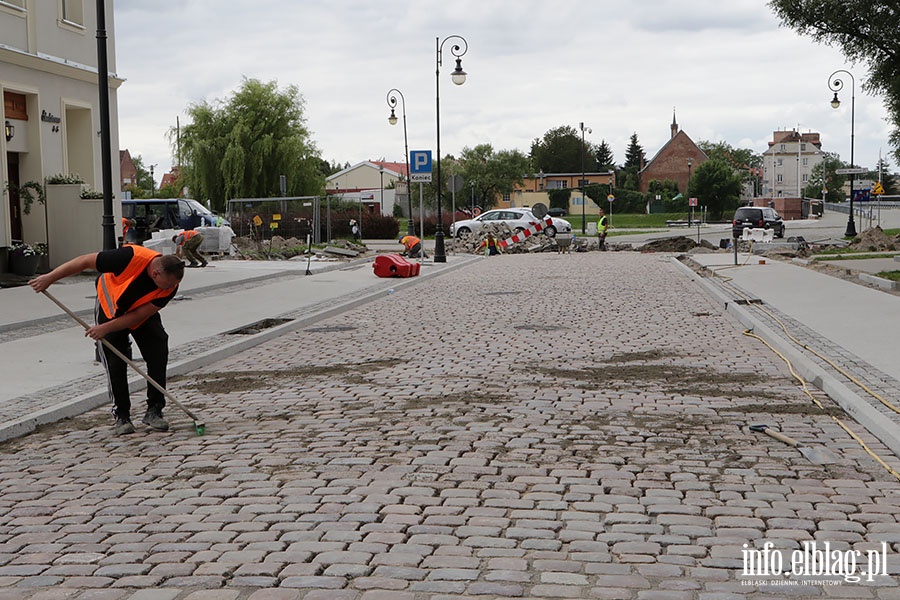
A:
{"x":748,"y":217}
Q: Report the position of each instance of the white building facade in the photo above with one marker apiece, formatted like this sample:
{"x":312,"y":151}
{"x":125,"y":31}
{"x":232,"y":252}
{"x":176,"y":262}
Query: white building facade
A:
{"x":788,"y":163}
{"x":51,"y":110}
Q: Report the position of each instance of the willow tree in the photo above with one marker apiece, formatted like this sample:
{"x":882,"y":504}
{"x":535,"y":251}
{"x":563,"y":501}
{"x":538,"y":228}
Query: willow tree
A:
{"x":240,"y":147}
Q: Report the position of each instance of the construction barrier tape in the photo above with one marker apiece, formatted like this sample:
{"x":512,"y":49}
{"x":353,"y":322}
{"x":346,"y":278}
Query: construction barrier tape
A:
{"x":525,"y":234}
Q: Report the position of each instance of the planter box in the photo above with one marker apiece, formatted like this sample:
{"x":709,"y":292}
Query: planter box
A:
{"x":25,"y":266}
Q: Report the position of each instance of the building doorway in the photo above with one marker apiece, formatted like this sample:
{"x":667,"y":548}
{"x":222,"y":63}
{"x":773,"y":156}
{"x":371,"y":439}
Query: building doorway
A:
{"x":15,"y":208}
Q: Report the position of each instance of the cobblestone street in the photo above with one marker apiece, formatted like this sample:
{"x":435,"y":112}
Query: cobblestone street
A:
{"x":529,"y":426}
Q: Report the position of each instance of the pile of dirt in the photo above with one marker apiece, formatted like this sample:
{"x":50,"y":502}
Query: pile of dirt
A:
{"x":675,"y":244}
{"x":875,"y":240}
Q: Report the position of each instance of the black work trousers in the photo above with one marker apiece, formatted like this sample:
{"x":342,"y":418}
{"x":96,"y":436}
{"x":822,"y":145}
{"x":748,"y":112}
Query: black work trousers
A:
{"x":153,"y":342}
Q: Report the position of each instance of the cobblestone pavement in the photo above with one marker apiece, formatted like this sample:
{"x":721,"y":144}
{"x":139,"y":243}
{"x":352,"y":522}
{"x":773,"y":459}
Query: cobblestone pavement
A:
{"x":531,"y":426}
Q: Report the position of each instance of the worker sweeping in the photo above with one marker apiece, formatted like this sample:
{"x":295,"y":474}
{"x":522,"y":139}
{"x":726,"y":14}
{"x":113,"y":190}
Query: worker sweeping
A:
{"x":412,"y":246}
{"x":134,"y":285}
{"x":188,"y":243}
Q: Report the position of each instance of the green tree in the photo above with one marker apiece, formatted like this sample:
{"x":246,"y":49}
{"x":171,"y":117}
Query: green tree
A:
{"x":494,"y":173}
{"x":742,"y":160}
{"x":141,"y":187}
{"x":823,"y":175}
{"x":717,"y":187}
{"x":603,"y":154}
{"x":561,"y":151}
{"x":865,"y":31}
{"x":241,"y":146}
{"x":888,"y":180}
{"x":635,"y":159}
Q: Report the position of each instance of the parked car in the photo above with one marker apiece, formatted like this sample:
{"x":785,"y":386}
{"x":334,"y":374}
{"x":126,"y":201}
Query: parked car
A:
{"x":748,"y":217}
{"x":556,"y":212}
{"x":518,"y":219}
{"x":155,"y":214}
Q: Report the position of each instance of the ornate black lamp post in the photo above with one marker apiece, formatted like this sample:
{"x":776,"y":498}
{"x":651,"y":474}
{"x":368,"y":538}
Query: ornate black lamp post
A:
{"x":835,"y":85}
{"x":392,"y":102}
{"x":459,"y":77}
{"x":583,"y":180}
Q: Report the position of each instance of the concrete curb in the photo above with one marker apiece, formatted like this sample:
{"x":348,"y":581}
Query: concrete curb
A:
{"x":881,"y":282}
{"x":862,"y":411}
{"x":97,"y":398}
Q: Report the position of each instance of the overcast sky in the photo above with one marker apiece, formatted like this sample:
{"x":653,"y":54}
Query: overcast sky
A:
{"x":726,"y":67}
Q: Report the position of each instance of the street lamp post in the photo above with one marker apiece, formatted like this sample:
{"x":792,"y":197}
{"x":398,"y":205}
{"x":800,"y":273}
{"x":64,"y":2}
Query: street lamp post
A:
{"x":152,"y":193}
{"x":459,"y":77}
{"x":835,"y":85}
{"x":392,"y":102}
{"x":688,"y":189}
{"x":583,"y":182}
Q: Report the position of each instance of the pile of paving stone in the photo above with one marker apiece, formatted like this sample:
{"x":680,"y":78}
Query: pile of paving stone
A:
{"x":472,"y":243}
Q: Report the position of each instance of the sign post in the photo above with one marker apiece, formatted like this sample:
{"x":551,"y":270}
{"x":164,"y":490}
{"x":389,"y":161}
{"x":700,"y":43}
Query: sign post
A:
{"x":420,"y":170}
{"x":610,"y":198}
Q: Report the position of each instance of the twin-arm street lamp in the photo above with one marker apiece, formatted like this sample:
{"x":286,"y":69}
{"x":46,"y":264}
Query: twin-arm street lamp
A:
{"x":392,"y":102}
{"x":459,"y":77}
{"x":835,"y":85}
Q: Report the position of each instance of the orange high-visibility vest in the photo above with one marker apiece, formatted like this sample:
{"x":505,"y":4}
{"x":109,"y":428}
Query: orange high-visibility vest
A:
{"x":186,"y":235}
{"x":110,"y":286}
{"x":409,"y":241}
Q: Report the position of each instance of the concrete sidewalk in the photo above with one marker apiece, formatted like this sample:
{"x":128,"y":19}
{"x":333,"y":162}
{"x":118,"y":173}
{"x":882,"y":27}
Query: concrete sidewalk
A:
{"x":50,"y":373}
{"x":855,"y":327}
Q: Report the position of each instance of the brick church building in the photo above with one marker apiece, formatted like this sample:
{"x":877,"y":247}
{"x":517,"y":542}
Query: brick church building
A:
{"x":675,"y":161}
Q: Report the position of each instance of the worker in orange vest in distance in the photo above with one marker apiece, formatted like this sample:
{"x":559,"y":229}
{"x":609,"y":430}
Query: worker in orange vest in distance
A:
{"x":412,"y":246}
{"x":189,"y":242}
{"x":126,"y":225}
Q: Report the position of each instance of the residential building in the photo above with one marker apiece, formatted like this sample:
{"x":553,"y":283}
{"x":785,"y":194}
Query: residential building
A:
{"x":169,"y":178}
{"x":536,"y":188}
{"x":675,"y":161}
{"x":789,"y":161}
{"x":51,"y":112}
{"x":127,"y":171}
{"x":371,"y":183}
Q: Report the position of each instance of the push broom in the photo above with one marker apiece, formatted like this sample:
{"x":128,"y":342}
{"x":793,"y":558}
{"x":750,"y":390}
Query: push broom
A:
{"x":198,"y":424}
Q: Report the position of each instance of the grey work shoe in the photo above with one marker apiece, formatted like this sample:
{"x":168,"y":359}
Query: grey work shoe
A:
{"x":154,"y":419}
{"x":123,"y":427}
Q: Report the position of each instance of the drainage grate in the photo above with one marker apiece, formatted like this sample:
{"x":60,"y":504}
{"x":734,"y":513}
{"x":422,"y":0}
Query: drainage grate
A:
{"x":750,"y":301}
{"x":331,"y":328}
{"x":258,"y":326}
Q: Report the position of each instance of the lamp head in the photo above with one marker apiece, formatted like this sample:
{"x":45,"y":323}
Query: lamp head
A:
{"x":835,"y":102}
{"x":458,"y":76}
{"x":10,"y":131}
{"x":393,"y":118}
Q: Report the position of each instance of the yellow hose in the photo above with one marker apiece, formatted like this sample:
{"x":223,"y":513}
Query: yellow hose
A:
{"x":803,"y":385}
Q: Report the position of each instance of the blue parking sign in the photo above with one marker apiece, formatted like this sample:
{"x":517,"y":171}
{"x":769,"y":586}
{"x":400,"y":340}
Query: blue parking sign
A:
{"x":420,"y":165}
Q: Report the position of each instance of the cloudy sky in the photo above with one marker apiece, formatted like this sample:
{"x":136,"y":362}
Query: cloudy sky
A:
{"x":726,"y":67}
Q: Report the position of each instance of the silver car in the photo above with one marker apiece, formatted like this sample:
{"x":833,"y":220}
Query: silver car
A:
{"x":518,"y":219}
